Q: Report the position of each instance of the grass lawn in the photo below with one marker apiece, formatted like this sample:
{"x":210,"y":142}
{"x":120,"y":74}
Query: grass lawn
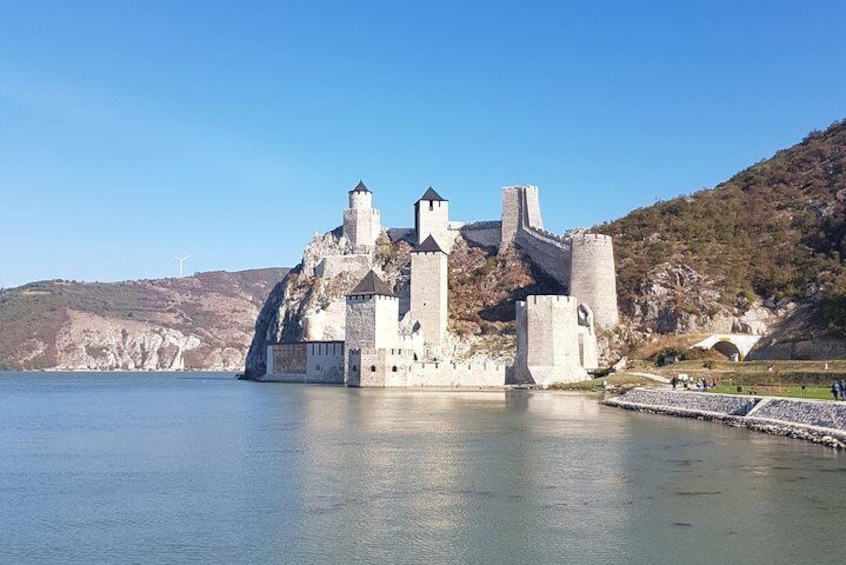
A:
{"x":822,"y":393}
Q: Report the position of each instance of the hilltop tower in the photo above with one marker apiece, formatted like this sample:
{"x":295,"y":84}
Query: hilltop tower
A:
{"x":362,"y":222}
{"x":593,"y":279}
{"x":548,"y":348}
{"x":429,"y":290}
{"x":431,"y":218}
{"x":520,"y":211}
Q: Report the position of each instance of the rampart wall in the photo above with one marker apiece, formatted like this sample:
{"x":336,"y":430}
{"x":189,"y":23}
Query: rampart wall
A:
{"x":486,"y":234}
{"x":370,"y":367}
{"x":334,"y":265}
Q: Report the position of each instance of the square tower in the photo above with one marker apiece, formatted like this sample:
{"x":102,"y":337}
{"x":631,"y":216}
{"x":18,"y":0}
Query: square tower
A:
{"x":548,"y":341}
{"x":372,"y":316}
{"x":429,"y":288}
{"x":431,"y":218}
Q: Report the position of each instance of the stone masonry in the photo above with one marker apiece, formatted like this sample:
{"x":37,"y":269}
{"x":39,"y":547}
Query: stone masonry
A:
{"x":362,"y":222}
{"x":429,"y":290}
{"x":556,"y":340}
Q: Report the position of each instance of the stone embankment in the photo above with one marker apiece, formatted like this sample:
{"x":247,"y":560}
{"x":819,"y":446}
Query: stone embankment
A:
{"x":819,"y":421}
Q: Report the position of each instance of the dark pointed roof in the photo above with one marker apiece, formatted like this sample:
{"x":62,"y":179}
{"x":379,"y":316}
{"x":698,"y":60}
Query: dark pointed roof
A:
{"x":360,"y":187}
{"x":431,"y":195}
{"x":429,"y":245}
{"x":372,"y":284}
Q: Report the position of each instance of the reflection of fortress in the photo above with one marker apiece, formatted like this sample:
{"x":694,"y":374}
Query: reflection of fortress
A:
{"x":556,"y":341}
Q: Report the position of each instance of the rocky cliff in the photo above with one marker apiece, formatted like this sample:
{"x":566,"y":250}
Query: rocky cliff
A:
{"x":202,"y":322}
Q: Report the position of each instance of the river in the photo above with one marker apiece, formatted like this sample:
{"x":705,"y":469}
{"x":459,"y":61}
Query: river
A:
{"x":201,"y":468}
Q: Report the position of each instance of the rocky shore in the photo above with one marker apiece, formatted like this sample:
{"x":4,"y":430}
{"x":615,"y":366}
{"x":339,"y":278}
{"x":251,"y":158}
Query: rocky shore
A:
{"x":818,"y":421}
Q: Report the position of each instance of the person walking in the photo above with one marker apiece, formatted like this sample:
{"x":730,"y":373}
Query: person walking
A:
{"x":842,"y":388}
{"x":835,"y":390}
{"x":674,"y":382}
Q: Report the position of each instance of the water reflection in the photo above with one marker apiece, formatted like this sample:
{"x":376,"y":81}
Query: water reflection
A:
{"x":122,"y":469}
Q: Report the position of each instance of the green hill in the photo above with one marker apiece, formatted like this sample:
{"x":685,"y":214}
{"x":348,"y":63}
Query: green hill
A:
{"x":776,"y":230}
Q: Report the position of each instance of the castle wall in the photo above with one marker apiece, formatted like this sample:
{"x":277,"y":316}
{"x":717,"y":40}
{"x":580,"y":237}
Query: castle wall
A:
{"x":429,"y":295}
{"x":454,"y":375}
{"x":306,"y":362}
{"x":547,"y":341}
{"x":370,"y":367}
{"x":550,"y":254}
{"x":487,"y":234}
{"x":593,"y":279}
{"x":333,"y":265}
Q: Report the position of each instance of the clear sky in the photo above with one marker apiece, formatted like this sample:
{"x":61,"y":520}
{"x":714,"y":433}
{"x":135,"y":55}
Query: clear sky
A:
{"x":133,"y":131}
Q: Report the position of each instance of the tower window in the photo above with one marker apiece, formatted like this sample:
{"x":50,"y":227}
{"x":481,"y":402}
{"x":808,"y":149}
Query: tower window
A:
{"x":372,"y":368}
{"x":394,"y":369}
{"x":431,"y":205}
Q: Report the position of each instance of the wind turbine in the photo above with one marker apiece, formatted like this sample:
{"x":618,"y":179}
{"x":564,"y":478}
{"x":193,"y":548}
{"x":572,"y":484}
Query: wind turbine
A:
{"x":181,"y":262}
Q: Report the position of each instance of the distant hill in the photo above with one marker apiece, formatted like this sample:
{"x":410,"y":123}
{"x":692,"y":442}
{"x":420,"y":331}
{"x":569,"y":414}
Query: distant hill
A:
{"x":772,"y":235}
{"x":201,"y":322}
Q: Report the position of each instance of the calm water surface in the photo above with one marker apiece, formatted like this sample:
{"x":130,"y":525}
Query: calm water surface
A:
{"x":193,"y":468}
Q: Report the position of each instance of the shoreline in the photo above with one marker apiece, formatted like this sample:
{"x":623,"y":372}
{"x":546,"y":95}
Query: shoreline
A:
{"x":818,"y":421}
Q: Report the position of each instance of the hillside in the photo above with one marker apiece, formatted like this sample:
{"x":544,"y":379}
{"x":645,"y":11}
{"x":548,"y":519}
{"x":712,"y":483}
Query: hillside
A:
{"x":773,"y":237}
{"x":201,"y":322}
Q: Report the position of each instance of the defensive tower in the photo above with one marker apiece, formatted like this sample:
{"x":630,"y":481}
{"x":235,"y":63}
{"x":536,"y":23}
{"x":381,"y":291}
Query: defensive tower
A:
{"x":362,"y":222}
{"x":431,"y":218}
{"x":372,"y":317}
{"x":429,"y":304}
{"x":593,"y":279}
{"x":547,"y":340}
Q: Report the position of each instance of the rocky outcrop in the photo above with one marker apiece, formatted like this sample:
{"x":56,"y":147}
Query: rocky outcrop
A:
{"x":674,"y":298}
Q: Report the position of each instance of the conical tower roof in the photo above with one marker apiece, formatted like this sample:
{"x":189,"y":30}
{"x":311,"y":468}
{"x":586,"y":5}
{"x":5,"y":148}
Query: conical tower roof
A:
{"x":361,"y":187}
{"x":372,"y":284}
{"x":429,"y":245}
{"x":431,"y":196}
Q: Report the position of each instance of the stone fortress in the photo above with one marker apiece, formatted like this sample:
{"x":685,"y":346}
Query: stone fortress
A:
{"x":384,"y":347}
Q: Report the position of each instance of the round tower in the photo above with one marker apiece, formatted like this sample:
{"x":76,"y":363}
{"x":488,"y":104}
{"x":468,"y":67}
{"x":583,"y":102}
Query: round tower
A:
{"x":593,"y":279}
{"x":362,"y":222}
{"x":361,"y":197}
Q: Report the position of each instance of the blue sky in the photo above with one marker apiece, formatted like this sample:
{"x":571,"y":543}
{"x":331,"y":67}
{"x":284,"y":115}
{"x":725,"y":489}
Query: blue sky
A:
{"x":131,"y":132}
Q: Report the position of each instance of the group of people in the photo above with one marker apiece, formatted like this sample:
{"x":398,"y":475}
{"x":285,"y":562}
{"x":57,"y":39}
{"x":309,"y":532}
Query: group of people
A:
{"x":838,"y":389}
{"x":702,"y":384}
